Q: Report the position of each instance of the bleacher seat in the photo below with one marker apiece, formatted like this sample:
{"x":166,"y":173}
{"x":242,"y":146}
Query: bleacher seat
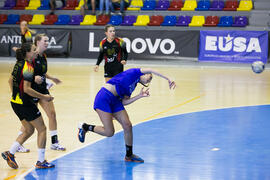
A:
{"x":162,"y":5}
{"x":102,"y":20}
{"x":50,"y":19}
{"x":142,"y":20}
{"x":33,"y":5}
{"x":217,"y":5}
{"x":245,"y":5}
{"x":70,"y":5}
{"x":21,"y":4}
{"x":45,"y":5}
{"x":128,"y":20}
{"x":240,"y":21}
{"x":25,"y":17}
{"x":197,"y":21}
{"x":37,"y":19}
{"x":76,"y":20}
{"x":225,"y":21}
{"x":211,"y":21}
{"x":176,"y":5}
{"x":231,"y":5}
{"x":148,"y":5}
{"x":12,"y":19}
{"x":203,"y":5}
{"x":9,"y":4}
{"x":169,"y":21}
{"x":3,"y":18}
{"x":89,"y":20}
{"x":155,"y":20}
{"x":183,"y":21}
{"x":135,"y":5}
{"x":115,"y":20}
{"x":63,"y":19}
{"x":189,"y":5}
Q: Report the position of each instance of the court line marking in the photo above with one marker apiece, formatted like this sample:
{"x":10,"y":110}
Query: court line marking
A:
{"x":21,"y":176}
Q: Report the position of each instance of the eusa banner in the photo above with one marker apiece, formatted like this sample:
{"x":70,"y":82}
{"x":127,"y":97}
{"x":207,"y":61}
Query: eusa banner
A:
{"x":233,"y":46}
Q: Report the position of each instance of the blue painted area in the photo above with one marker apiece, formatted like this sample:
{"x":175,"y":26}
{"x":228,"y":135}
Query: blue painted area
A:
{"x":179,"y":147}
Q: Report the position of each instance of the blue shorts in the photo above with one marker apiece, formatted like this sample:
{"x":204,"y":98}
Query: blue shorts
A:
{"x":107,"y":102}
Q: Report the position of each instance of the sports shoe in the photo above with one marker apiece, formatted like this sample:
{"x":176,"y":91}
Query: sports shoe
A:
{"x":22,"y":149}
{"x":58,"y":147}
{"x":44,"y":165}
{"x":134,"y":158}
{"x":10,"y":158}
{"x":81,"y":133}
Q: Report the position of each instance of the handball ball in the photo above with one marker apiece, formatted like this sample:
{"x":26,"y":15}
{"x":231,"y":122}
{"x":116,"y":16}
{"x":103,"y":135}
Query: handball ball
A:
{"x":257,"y":66}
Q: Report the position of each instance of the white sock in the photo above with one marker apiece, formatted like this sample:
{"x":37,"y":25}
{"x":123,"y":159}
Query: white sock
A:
{"x":41,"y":155}
{"x":14,"y":147}
{"x":19,"y":133}
{"x":53,"y":133}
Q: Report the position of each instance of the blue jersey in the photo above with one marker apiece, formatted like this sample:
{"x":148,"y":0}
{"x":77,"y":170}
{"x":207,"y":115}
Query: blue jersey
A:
{"x":126,"y":82}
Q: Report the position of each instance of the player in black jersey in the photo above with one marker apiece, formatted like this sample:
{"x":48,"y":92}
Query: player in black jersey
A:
{"x":24,"y":107}
{"x":40,"y":74}
{"x":113,"y":50}
{"x":26,"y":34}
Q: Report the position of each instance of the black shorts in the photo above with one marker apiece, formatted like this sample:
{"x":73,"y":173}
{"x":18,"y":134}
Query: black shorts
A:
{"x":112,"y":70}
{"x":42,"y":91}
{"x":28,"y":111}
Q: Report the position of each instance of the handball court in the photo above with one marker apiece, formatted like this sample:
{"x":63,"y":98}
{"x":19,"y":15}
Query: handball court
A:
{"x":213,"y":126}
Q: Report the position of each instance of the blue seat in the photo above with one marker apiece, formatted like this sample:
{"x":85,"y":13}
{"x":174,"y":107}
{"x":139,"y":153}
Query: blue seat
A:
{"x":203,"y":5}
{"x":169,"y":21}
{"x":115,"y":20}
{"x":45,"y":5}
{"x":12,"y":19}
{"x":149,"y":5}
{"x":225,"y":21}
{"x":62,"y":20}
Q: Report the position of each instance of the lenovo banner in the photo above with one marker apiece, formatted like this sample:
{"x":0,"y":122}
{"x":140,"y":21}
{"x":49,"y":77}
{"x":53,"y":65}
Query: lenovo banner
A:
{"x":58,"y":41}
{"x":233,"y":46}
{"x":140,"y":44}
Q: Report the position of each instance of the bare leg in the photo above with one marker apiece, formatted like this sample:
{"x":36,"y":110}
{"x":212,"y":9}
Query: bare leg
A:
{"x":41,"y":129}
{"x":107,"y":129}
{"x":123,"y":119}
{"x":27,"y":131}
{"x":50,"y":112}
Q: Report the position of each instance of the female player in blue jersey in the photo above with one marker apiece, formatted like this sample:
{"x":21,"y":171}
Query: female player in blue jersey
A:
{"x":110,"y":101}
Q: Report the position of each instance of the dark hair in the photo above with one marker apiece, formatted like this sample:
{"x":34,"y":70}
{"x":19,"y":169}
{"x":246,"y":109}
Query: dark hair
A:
{"x":21,"y":52}
{"x":38,"y":37}
{"x":107,"y":27}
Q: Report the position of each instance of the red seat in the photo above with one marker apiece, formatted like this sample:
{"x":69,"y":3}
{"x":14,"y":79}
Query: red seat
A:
{"x":155,"y":20}
{"x":25,"y":17}
{"x":231,"y":5}
{"x":3,"y":18}
{"x":211,"y":21}
{"x":50,"y":19}
{"x":176,"y":5}
{"x":102,"y":20}
{"x":70,"y":5}
{"x":21,"y":4}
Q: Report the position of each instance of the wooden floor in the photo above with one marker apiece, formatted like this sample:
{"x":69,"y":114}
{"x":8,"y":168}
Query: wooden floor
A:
{"x":198,"y":88}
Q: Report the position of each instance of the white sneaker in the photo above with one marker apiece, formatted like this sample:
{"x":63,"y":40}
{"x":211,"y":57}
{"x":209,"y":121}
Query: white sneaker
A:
{"x":57,"y":147}
{"x":22,"y":149}
{"x":49,"y":84}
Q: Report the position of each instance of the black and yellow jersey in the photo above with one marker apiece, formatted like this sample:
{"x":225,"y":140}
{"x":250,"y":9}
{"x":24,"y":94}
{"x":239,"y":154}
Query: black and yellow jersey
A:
{"x":22,"y":71}
{"x":113,"y":52}
{"x":26,"y":37}
{"x":40,"y":69}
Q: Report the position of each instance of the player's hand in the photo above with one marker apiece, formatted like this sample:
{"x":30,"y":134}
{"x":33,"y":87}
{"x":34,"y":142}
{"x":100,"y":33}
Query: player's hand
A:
{"x":15,"y":48}
{"x":172,"y":84}
{"x":144,"y":93}
{"x":124,"y":62}
{"x":56,"y":80}
{"x":48,"y":97}
{"x":96,"y":68}
{"x":38,"y":79}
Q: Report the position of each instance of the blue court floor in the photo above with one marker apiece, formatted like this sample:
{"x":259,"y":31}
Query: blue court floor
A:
{"x":223,"y":144}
